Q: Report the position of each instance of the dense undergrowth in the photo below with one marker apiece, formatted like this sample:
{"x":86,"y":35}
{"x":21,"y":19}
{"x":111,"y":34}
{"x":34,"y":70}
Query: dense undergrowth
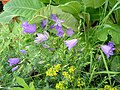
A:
{"x":60,"y":44}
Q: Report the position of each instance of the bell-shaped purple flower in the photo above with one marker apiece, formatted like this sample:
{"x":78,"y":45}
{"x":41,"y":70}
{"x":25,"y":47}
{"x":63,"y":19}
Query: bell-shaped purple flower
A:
{"x":60,"y":32}
{"x":13,"y":61}
{"x":71,"y":43}
{"x":43,"y":23}
{"x":108,"y":49}
{"x":70,"y":32}
{"x":58,"y":21}
{"x":41,"y":37}
{"x":28,"y":28}
{"x":14,"y":68}
{"x":57,"y":25}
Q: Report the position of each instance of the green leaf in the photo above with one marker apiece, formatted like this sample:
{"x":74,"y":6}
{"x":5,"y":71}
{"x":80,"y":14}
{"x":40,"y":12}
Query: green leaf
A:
{"x":21,"y":82}
{"x":111,"y":29}
{"x":44,"y":13}
{"x":102,"y":34}
{"x":93,"y":3}
{"x":31,"y":86}
{"x":69,"y":21}
{"x":72,"y":7}
{"x":5,"y":17}
{"x":25,"y":8}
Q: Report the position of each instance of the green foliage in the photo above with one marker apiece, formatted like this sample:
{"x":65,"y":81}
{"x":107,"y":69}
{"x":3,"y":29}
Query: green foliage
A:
{"x":45,"y":12}
{"x":109,"y":29}
{"x":22,"y":8}
{"x":22,"y":83}
{"x":93,"y":3}
{"x":72,"y":7}
{"x":50,"y":65}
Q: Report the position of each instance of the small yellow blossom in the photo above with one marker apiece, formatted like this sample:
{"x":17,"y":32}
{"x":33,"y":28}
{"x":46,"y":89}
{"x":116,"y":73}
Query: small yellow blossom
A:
{"x":60,"y":85}
{"x":65,"y":74}
{"x":57,"y":67}
{"x":53,"y":70}
{"x":72,"y":69}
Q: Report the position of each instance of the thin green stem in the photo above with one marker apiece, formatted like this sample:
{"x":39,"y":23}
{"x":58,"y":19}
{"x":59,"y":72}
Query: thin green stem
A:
{"x":105,"y":63}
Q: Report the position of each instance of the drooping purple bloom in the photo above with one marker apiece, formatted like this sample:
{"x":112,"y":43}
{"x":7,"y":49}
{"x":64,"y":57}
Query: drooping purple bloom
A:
{"x":58,"y":21}
{"x":23,"y":51}
{"x":57,"y":25}
{"x":71,"y":43}
{"x":60,"y":32}
{"x":13,"y":61}
{"x":14,"y":68}
{"x":28,"y":28}
{"x":108,"y":49}
{"x":41,"y":37}
{"x":70,"y":32}
{"x":43,"y":23}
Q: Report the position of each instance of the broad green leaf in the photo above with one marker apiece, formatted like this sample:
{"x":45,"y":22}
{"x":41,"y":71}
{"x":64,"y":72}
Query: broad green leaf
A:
{"x":102,"y":34}
{"x":115,"y":36}
{"x":72,"y":7}
{"x":69,"y":21}
{"x":93,"y":3}
{"x":31,"y":86}
{"x":21,"y":82}
{"x":25,"y":8}
{"x":44,"y":13}
{"x":66,"y":1}
{"x":111,"y":29}
{"x":5,"y":17}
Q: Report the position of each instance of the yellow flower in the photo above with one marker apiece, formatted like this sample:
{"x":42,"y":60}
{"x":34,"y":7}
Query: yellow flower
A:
{"x":60,"y":85}
{"x":57,"y":67}
{"x":51,"y":72}
{"x":65,"y":74}
{"x":72,"y":69}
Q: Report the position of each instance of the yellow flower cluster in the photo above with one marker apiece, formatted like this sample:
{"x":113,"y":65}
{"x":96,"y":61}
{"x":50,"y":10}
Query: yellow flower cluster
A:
{"x":53,"y":70}
{"x":80,"y":83}
{"x":108,"y":87}
{"x":72,"y":69}
{"x":66,"y":75}
{"x":60,"y":85}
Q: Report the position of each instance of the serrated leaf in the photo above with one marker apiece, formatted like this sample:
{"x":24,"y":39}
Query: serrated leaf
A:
{"x":25,"y":8}
{"x":5,"y":17}
{"x":93,"y":3}
{"x":44,"y":13}
{"x":72,"y":7}
{"x":69,"y":21}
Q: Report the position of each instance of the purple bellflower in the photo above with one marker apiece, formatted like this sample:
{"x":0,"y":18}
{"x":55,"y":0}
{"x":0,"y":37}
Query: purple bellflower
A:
{"x":108,"y":49}
{"x":71,"y":43}
{"x":70,"y":32}
{"x":29,"y":28}
{"x":43,"y":23}
{"x":41,"y":37}
{"x":14,"y":68}
{"x":13,"y":61}
{"x":57,"y":25}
